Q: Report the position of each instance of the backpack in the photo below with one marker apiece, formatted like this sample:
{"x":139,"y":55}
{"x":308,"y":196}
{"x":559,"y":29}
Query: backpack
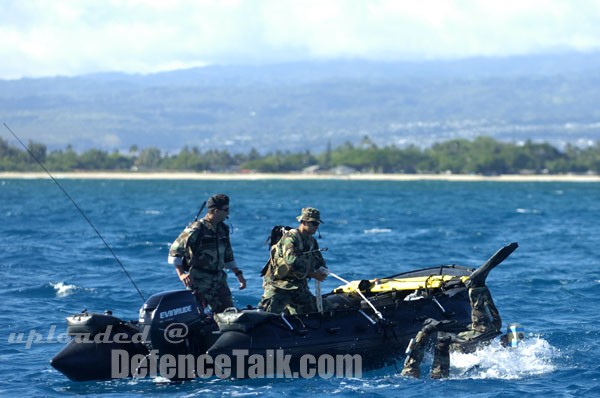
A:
{"x":277,"y":233}
{"x":274,"y":237}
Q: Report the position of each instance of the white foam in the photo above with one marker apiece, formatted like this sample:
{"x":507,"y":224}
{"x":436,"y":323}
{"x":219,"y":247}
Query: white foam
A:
{"x":161,"y":380}
{"x":534,"y":356}
{"x":153,"y":212}
{"x":527,"y":211}
{"x":377,"y":231}
{"x":63,"y":289}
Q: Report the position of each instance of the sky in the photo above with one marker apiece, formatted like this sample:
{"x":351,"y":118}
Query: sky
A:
{"x":42,"y":38}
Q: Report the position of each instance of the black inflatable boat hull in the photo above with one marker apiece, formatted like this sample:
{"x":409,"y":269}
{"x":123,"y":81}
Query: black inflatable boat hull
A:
{"x":350,"y":326}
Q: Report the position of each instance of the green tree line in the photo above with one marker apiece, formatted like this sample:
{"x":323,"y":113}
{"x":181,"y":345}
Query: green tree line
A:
{"x":482,"y":155}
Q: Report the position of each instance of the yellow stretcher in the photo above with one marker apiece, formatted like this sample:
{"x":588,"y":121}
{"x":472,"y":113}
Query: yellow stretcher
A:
{"x":389,"y":285}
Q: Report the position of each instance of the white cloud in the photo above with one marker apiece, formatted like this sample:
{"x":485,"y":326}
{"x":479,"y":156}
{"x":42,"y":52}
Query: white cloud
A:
{"x":67,"y":37}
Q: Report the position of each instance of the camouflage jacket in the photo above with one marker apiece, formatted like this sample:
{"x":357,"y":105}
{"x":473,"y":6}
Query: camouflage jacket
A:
{"x":203,"y":248}
{"x":290,"y":263}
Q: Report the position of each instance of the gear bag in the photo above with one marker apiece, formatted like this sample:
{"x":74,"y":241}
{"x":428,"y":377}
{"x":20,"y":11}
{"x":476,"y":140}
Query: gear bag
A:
{"x":277,"y":232}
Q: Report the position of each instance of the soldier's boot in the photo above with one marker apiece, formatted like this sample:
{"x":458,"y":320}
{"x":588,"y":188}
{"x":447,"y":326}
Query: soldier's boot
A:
{"x":440,"y":369}
{"x":478,"y":277}
{"x":484,"y":314}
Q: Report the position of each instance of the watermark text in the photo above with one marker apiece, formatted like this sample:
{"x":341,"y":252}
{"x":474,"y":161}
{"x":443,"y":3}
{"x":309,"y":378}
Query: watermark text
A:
{"x":240,"y":364}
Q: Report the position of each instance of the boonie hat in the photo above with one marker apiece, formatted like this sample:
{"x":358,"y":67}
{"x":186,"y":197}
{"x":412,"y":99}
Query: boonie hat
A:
{"x":310,"y":214}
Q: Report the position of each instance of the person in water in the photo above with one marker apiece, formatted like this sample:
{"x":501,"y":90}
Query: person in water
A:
{"x":294,"y":259}
{"x":485,"y":325}
{"x":200,"y":254}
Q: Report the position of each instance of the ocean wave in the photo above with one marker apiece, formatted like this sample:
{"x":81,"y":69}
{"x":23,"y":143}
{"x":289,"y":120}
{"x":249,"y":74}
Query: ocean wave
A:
{"x":377,"y":231}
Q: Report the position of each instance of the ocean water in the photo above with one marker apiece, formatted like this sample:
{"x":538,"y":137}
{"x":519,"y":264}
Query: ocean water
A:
{"x":53,"y":265}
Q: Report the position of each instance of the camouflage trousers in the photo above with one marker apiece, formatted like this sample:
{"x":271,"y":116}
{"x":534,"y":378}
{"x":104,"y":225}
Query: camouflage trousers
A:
{"x":485,"y":323}
{"x":211,"y":289}
{"x":296,"y":301}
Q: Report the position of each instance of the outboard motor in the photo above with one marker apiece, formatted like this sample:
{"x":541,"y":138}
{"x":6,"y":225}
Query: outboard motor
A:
{"x":177,"y":327}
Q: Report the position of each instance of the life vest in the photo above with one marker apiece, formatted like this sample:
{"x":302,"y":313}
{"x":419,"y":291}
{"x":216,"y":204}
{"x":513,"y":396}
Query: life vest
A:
{"x":208,"y":253}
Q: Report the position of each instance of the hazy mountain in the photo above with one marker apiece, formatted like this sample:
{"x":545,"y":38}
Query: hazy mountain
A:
{"x":305,"y":105}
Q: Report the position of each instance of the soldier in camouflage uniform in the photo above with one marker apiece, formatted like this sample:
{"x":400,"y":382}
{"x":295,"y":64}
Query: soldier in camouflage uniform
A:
{"x":201,"y":253}
{"x":485,"y":325}
{"x":294,"y":259}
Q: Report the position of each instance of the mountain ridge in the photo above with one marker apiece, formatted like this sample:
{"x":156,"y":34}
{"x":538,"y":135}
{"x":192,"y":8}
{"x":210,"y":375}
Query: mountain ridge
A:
{"x":300,"y":106}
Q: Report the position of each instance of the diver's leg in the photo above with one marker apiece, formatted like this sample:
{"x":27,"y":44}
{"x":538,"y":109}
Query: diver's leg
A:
{"x":440,"y":369}
{"x":416,"y":349}
{"x":496,"y":320}
{"x":484,"y":314}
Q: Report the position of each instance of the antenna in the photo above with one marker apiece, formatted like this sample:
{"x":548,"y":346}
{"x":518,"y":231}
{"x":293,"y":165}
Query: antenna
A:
{"x":79,"y":209}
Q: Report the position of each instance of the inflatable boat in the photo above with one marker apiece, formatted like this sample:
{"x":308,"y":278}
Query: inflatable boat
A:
{"x":374,"y":319}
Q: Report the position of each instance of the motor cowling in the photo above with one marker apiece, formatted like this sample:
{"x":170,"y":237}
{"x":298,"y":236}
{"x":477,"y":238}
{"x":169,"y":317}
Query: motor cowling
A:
{"x":176,"y":324}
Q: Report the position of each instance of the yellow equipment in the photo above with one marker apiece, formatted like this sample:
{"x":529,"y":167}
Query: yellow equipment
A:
{"x":390,"y":285}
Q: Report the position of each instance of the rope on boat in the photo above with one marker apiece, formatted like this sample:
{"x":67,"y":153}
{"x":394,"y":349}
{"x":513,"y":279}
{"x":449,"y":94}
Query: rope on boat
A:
{"x":359,"y":293}
{"x":318,"y":296}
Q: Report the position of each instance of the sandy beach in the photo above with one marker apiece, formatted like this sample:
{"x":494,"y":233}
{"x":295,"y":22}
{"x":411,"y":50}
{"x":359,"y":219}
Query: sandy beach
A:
{"x":297,"y":176}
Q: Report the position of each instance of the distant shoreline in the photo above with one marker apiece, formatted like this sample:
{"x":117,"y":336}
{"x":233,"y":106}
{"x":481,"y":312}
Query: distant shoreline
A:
{"x":93,"y":175}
